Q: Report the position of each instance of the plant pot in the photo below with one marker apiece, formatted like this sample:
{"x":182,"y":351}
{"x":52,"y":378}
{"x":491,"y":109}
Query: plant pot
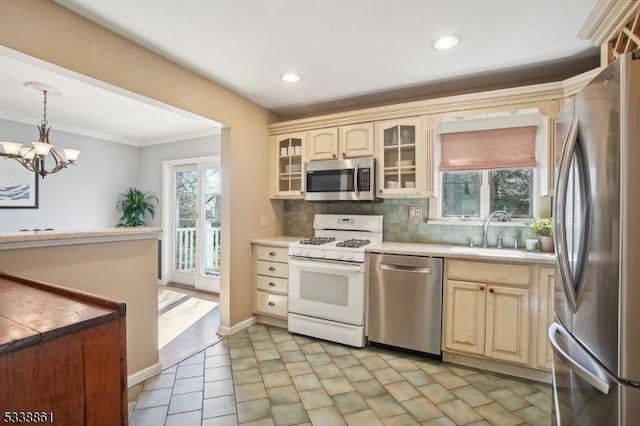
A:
{"x":546,"y":244}
{"x":531,"y":244}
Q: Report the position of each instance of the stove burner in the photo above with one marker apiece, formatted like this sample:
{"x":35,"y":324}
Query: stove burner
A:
{"x":353,"y":243}
{"x":317,"y":241}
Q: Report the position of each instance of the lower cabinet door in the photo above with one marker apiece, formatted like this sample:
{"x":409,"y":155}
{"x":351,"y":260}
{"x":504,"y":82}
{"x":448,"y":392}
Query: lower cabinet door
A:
{"x":508,"y":324}
{"x":271,"y":304}
{"x":465,"y":317}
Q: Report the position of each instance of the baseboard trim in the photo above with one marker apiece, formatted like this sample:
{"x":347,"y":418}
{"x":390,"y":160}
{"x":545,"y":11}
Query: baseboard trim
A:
{"x":144,"y":374}
{"x":277,"y":322}
{"x":497,"y":367}
{"x":228,"y":331}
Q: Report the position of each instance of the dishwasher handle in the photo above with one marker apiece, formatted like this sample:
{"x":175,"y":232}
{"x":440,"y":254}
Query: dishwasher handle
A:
{"x":404,"y":268}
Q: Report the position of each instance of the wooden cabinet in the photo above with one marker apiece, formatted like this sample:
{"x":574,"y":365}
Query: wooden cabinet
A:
{"x":289,"y":163}
{"x":401,"y":157}
{"x":546,"y":292}
{"x":351,"y":141}
{"x":62,"y":354}
{"x":271,"y":280}
{"x":487,"y":310}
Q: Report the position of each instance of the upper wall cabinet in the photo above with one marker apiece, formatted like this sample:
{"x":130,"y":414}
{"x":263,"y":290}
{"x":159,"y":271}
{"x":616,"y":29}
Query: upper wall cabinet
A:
{"x":402,"y":162}
{"x":340,"y":142}
{"x":289,"y":154}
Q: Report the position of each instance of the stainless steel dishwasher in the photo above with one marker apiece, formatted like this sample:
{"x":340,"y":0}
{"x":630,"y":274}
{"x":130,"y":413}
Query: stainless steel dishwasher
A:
{"x":405,"y":302}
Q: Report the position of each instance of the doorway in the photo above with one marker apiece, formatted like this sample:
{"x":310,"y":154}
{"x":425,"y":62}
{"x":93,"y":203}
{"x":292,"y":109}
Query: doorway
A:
{"x":192,"y":221}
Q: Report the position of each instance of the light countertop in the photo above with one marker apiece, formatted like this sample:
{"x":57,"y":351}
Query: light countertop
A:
{"x":276,"y":241}
{"x":10,"y":240}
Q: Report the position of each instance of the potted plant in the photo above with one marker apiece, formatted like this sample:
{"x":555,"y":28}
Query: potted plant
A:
{"x":543,"y":228}
{"x":134,"y":206}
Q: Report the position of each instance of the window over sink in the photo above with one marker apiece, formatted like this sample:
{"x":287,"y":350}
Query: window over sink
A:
{"x":488,"y":165}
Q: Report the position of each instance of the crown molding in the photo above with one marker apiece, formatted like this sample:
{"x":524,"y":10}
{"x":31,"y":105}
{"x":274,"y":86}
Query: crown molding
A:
{"x":606,"y":19}
{"x":547,"y":97}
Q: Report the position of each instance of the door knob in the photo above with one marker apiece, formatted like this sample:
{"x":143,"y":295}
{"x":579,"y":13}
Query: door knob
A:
{"x":272,"y":304}
{"x":272,"y":284}
{"x":491,"y":290}
{"x":271,"y":268}
{"x":272,"y":253}
{"x":481,"y":288}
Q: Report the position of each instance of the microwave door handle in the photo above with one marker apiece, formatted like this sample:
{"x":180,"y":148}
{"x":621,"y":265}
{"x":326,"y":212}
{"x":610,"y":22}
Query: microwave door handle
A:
{"x":560,"y":225}
{"x":597,"y":379}
{"x":355,"y":180}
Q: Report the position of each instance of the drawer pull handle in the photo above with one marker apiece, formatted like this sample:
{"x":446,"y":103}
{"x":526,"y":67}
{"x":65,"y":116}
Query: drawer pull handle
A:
{"x":272,"y":304}
{"x":271,"y":268}
{"x":272,"y":284}
{"x":491,"y":290}
{"x":272,"y":253}
{"x":481,"y":288}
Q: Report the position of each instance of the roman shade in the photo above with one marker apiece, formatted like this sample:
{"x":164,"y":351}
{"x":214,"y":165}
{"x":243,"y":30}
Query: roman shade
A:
{"x":509,"y":148}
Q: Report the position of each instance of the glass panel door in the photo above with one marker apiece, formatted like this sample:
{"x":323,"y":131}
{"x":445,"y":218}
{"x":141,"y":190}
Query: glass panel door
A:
{"x":196,"y":226}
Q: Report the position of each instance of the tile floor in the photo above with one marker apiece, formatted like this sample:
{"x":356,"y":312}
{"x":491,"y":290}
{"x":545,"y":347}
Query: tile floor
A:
{"x":265,"y":376}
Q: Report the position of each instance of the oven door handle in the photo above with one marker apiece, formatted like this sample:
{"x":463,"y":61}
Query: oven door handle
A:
{"x":404,"y":268}
{"x":324,"y":266}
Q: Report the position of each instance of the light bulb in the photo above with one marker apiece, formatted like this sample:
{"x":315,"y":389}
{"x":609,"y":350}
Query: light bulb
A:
{"x":71,"y":154}
{"x":42,"y":148}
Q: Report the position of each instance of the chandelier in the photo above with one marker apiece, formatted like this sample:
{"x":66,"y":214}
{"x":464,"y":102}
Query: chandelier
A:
{"x":41,"y":158}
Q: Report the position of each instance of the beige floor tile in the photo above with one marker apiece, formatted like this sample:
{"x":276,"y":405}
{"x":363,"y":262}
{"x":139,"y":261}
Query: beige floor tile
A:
{"x":306,"y":382}
{"x":461,"y":371}
{"x":243,"y":363}
{"x":498,"y":415}
{"x":387,"y":375}
{"x":508,"y":399}
{"x":363,"y":418}
{"x":282,"y":395}
{"x":287,"y":346}
{"x":334,"y":349}
{"x":298,"y":368}
{"x":449,"y":380}
{"x":282,"y":337}
{"x":418,"y":378}
{"x":311,"y":348}
{"x":289,"y":414}
{"x":437,"y":393}
{"x":263,"y":344}
{"x":370,"y":388}
{"x":327,"y":371}
{"x":271,"y":366}
{"x":402,"y":364}
{"x":253,"y":410}
{"x":540,"y":400}
{"x":459,"y":412}
{"x":241,"y":352}
{"x":483,"y":382}
{"x":520,"y":388}
{"x":357,"y":373}
{"x":422,"y":409}
{"x":345,"y":361}
{"x":385,"y":406}
{"x":534,"y":416}
{"x":441,"y":421}
{"x":472,"y":396}
{"x":316,"y":398}
{"x":318,"y":359}
{"x":402,"y":391}
{"x":292,"y":356}
{"x":336,"y":385}
{"x":273,"y":380}
{"x":325,"y":416}
{"x":349,"y":402}
{"x":362,"y":353}
{"x":267,"y":354}
{"x":431,"y":367}
{"x":374,"y":363}
{"x":400,"y":420}
{"x":251,"y":375}
{"x":250,"y":391}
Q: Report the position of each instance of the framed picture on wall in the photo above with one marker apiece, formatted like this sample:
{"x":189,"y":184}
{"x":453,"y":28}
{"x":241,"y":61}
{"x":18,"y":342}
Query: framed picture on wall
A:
{"x":18,"y":186}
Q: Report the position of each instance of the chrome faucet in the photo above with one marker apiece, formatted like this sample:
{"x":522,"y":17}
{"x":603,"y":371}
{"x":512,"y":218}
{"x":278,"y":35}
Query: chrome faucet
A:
{"x":499,"y":240}
{"x":502,"y":216}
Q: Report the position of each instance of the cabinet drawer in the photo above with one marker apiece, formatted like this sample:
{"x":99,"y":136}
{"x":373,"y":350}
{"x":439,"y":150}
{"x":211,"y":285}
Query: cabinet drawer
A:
{"x":272,"y":269}
{"x":276,"y":254}
{"x":271,"y":284}
{"x":272,"y":304}
{"x":489,"y":272}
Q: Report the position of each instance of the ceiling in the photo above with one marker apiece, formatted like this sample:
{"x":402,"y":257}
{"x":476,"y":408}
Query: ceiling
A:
{"x":349,"y":53}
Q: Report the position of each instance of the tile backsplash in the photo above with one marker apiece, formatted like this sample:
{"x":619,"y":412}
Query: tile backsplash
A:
{"x":398,"y":226}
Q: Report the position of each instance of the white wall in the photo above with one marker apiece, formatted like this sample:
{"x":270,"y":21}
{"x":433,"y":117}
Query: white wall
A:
{"x":151,"y":163}
{"x":79,"y":197}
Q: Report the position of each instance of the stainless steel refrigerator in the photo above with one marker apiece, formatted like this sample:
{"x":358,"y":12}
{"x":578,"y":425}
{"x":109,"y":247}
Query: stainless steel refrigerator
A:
{"x":596,"y":333}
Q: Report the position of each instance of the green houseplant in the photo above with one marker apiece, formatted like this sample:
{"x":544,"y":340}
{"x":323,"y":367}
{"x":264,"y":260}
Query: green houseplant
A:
{"x":543,"y":228}
{"x":134,"y":205}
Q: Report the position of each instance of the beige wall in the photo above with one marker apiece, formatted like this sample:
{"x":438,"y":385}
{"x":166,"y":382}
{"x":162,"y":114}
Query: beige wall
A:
{"x":45,"y":30}
{"x":122,"y":271}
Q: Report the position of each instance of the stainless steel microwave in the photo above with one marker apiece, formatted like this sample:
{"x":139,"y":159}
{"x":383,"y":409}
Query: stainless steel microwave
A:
{"x":341,"y":180}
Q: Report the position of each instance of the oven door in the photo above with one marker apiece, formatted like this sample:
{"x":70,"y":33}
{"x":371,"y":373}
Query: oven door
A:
{"x":325,"y":289}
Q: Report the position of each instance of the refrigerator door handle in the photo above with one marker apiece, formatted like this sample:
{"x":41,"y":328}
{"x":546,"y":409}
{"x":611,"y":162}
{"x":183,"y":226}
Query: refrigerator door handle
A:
{"x":598,"y":380}
{"x":560,"y":231}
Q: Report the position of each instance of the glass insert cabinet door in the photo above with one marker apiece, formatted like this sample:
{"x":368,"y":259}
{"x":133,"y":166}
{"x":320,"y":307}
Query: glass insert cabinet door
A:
{"x":289,"y":154}
{"x":401,"y":146}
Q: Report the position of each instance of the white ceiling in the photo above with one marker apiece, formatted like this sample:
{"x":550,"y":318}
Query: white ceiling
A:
{"x":349,"y":53}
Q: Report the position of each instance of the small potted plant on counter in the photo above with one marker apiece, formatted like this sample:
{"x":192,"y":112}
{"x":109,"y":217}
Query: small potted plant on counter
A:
{"x":134,"y":206}
{"x":543,"y":228}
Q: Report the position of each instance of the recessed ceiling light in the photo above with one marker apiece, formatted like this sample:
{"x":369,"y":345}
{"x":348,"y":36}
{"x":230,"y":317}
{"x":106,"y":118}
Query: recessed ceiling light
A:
{"x":446,"y":41}
{"x":290,"y":77}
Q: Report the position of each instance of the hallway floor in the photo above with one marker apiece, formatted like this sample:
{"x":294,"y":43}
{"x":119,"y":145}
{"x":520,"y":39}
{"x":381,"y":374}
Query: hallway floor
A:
{"x":265,"y":375}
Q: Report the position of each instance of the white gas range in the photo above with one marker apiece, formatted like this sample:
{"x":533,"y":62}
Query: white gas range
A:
{"x":327,"y":278}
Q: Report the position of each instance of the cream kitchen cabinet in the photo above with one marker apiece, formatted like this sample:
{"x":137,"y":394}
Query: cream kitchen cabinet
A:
{"x":271,"y":280}
{"x":546,"y":294}
{"x":351,"y":141}
{"x":487,"y":310}
{"x":402,"y":161}
{"x":289,"y":150}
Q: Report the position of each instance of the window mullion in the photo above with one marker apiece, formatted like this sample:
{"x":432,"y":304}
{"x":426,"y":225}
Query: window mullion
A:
{"x":485,"y":195}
